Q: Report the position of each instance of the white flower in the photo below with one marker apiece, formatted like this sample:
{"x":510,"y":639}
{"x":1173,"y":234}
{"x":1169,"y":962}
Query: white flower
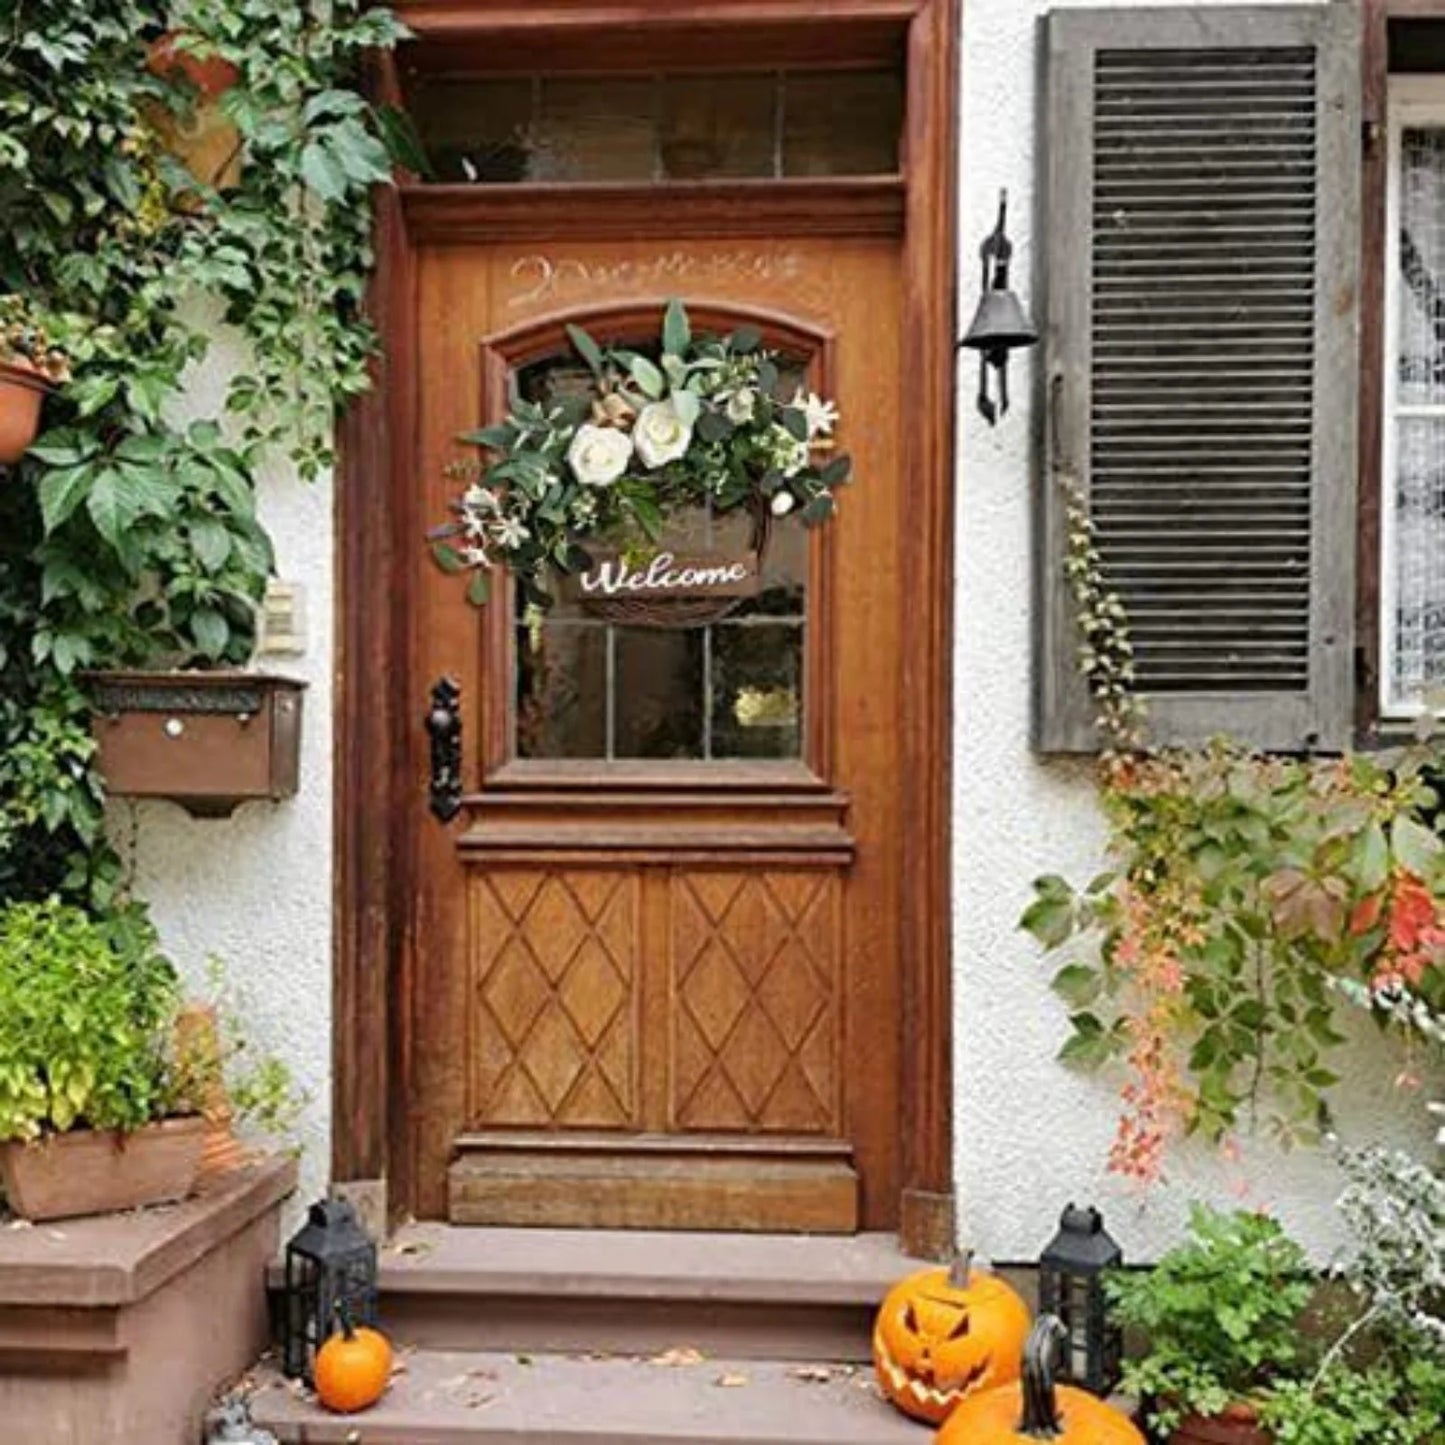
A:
{"x":782,"y":503}
{"x":822,"y":415}
{"x":480,"y":499}
{"x":511,"y":533}
{"x":740,"y":406}
{"x":599,"y":454}
{"x":660,"y":436}
{"x":476,"y":557}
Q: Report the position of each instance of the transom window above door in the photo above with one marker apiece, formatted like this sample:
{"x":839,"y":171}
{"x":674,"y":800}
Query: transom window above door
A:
{"x":662,"y":127}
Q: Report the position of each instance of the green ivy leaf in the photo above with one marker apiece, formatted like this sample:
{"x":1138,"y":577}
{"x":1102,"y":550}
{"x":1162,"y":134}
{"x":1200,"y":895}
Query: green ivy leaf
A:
{"x":323,"y":173}
{"x":211,"y":543}
{"x":1077,"y":984}
{"x":61,"y":492}
{"x":211,"y":631}
{"x":1415,"y":847}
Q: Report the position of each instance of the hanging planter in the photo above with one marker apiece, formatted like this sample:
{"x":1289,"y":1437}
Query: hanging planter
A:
{"x":31,"y":367}
{"x":202,"y":136}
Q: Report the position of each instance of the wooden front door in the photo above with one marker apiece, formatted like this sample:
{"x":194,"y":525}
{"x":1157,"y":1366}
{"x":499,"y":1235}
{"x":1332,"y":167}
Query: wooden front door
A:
{"x":654,"y":974}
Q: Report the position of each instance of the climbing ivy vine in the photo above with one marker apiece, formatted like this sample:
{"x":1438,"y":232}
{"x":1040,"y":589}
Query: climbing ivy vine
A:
{"x":129,"y":533}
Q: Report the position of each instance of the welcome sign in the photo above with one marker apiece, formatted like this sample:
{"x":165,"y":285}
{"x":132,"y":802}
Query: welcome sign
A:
{"x":621,"y":577}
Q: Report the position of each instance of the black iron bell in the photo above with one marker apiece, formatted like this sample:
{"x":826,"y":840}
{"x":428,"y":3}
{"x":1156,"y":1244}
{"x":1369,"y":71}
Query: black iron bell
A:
{"x":1000,"y":325}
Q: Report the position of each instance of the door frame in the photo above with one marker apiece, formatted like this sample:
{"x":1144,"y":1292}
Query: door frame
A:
{"x":373,"y":781}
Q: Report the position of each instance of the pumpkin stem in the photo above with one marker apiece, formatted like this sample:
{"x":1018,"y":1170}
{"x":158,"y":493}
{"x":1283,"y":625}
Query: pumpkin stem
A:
{"x":1041,"y":1419}
{"x":961,"y":1271}
{"x":348,"y":1325}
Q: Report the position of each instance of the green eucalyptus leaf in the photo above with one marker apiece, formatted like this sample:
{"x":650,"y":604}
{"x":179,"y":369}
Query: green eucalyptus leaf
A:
{"x":676,"y":329}
{"x":586,"y":348}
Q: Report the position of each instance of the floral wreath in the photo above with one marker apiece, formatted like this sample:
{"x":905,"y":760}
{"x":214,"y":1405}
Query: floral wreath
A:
{"x":705,"y":423}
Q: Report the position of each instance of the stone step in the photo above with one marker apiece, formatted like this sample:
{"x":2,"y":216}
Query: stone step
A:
{"x":739,"y":1296}
{"x":440,"y":1397}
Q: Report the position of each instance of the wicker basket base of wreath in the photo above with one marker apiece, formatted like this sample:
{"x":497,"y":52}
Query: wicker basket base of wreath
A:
{"x":660,"y":611}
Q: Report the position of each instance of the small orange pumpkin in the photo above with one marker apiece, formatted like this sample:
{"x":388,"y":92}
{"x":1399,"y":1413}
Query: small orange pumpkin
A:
{"x":1036,"y":1409}
{"x":352,"y":1368}
{"x":943,"y":1334}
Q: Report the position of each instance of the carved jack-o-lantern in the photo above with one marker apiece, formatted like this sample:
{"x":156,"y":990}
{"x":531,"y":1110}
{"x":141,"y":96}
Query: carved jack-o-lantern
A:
{"x":944,"y":1334}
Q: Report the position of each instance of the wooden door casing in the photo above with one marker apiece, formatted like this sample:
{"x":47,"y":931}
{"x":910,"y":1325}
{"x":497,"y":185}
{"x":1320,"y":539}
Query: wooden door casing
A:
{"x":659,"y":951}
{"x":379,"y":771}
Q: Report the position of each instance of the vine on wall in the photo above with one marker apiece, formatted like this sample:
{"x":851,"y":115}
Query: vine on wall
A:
{"x":127,"y":537}
{"x":1248,"y":893}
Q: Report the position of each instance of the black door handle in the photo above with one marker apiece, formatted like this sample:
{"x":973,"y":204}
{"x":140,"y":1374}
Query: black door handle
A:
{"x":444,"y":727}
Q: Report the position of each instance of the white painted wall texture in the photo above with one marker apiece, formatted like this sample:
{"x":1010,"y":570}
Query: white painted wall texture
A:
{"x":1029,"y":1134}
{"x":255,"y":889}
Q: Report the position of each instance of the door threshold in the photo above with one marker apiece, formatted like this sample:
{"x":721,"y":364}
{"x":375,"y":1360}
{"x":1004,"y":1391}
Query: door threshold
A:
{"x":771,"y":1184}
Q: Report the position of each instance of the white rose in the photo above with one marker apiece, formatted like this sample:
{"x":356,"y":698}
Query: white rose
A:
{"x":660,"y":435}
{"x":599,"y":454}
{"x":782,"y":503}
{"x":740,"y":406}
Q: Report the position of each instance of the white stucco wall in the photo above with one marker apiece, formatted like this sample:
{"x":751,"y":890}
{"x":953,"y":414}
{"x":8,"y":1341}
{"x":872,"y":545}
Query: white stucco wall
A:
{"x":1030,"y":1135}
{"x":255,"y":889}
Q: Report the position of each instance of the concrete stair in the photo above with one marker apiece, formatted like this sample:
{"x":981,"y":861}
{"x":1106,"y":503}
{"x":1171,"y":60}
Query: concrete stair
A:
{"x":619,"y":1338}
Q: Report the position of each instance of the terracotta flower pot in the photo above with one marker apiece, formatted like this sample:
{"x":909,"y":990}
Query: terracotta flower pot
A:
{"x":22,"y":389}
{"x":212,"y":76}
{"x":89,"y":1171}
{"x":1238,"y":1425}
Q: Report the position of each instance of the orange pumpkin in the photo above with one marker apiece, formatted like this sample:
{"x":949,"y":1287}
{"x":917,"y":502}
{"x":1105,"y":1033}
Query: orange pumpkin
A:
{"x":352,"y":1368}
{"x":943,"y":1334}
{"x":1036,"y":1409}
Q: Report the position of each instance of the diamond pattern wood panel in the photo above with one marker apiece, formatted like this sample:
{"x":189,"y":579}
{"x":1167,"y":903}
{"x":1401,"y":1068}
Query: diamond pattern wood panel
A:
{"x":756,"y":1002}
{"x":554,"y":1001}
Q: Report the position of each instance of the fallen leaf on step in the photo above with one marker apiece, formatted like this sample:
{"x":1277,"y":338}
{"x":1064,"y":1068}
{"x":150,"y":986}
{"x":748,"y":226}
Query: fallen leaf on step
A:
{"x":730,"y":1382}
{"x":678,"y":1357}
{"x":813,"y":1374}
{"x":411,"y":1247}
{"x":523,"y":1359}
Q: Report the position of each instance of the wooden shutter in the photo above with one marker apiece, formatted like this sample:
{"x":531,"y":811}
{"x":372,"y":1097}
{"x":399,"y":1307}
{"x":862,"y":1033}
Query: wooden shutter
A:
{"x":1202,"y":362}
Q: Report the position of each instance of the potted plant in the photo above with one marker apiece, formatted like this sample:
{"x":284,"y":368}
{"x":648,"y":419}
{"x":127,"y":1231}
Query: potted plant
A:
{"x":31,"y":366}
{"x":1221,"y":1313}
{"x":88,"y":1119}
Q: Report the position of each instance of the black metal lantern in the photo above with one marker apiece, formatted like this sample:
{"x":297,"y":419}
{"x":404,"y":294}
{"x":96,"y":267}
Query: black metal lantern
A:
{"x":1001,"y":325}
{"x":330,"y":1263}
{"x":1071,"y":1286}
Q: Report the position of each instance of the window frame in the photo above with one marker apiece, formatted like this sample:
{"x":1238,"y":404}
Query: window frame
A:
{"x":501,"y":769}
{"x":1411,"y":100}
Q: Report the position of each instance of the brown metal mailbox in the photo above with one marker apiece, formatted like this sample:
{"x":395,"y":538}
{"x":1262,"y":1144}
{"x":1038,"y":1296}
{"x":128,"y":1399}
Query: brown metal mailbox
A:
{"x":206,"y":740}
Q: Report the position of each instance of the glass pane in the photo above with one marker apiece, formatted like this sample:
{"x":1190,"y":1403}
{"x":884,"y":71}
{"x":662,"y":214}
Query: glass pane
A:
{"x":757,"y":690}
{"x":659,"y":692}
{"x":846,"y":124}
{"x":595,"y":130}
{"x":1418,"y":664}
{"x":663,"y":127}
{"x":594,"y":682}
{"x":718,"y":125}
{"x":476,"y":130}
{"x":562,"y":692}
{"x":1422,"y":263}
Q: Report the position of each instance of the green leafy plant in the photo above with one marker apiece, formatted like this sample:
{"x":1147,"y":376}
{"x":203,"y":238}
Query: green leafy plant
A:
{"x":221,"y":1067}
{"x":84,"y":1012}
{"x":1245,"y":888}
{"x":1221,"y":1314}
{"x":127,"y":538}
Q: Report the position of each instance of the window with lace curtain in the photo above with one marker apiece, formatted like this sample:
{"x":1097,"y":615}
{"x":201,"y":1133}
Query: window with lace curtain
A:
{"x":1412,"y":593}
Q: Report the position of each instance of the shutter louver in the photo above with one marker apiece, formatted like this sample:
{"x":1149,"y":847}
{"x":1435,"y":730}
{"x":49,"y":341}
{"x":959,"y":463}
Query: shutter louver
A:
{"x":1202,"y":357}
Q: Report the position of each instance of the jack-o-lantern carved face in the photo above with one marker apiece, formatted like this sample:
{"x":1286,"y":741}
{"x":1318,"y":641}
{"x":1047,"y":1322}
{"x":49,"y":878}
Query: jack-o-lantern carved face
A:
{"x":941,"y":1335}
